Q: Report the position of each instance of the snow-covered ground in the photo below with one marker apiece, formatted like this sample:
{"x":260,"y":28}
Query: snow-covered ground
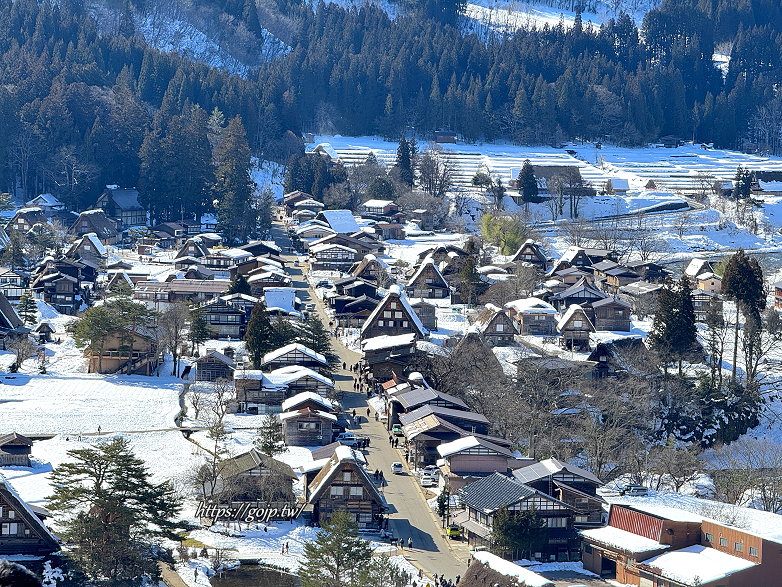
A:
{"x":80,"y":403}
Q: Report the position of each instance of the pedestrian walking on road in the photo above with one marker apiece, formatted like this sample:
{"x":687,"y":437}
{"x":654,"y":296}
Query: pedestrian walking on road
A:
{"x":367,"y":414}
{"x":98,"y":429}
{"x":354,"y":413}
{"x":410,"y":542}
{"x":377,"y":418}
{"x":344,"y":366}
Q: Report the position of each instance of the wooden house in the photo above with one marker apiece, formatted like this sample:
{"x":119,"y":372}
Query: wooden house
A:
{"x":355,"y":311}
{"x":611,"y":314}
{"x":46,"y":202}
{"x":340,"y":221}
{"x":44,"y":331}
{"x":393,"y":316}
{"x":372,"y":269}
{"x":22,"y":531}
{"x":361,"y":242}
{"x":610,"y":276}
{"x":25,"y":219}
{"x":160,"y":295}
{"x":575,"y":486}
{"x":428,"y":282}
{"x":332,"y":257}
{"x":485,"y":497}
{"x":344,"y":485}
{"x":312,"y":231}
{"x":701,"y":302}
{"x":96,"y":221}
{"x":282,"y":302}
{"x":12,"y":283}
{"x":11,"y":326}
{"x":355,"y":287}
{"x":260,"y":393}
{"x":385,"y":354}
{"x":60,"y":290}
{"x":649,"y":271}
{"x":15,"y":450}
{"x":214,"y":365}
{"x":253,"y":477}
{"x":582,"y":292}
{"x":225,"y":319}
{"x":495,"y":326}
{"x":310,"y":205}
{"x":294,"y":354}
{"x":406,"y":398}
{"x":583,"y":257}
{"x":534,"y":316}
{"x":575,"y":327}
{"x":471,"y":458}
{"x":379,"y":209}
{"x":126,"y":351}
{"x":390,"y":230}
{"x":642,"y":297}
{"x":122,"y":206}
{"x":427,"y":313}
{"x":292,"y":198}
{"x":532,"y":253}
{"x":88,"y":248}
{"x":709,"y":282}
{"x":193,"y":247}
{"x":264,"y":278}
{"x":307,"y":427}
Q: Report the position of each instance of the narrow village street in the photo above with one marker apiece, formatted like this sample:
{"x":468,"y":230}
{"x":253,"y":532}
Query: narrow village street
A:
{"x":409,"y":515}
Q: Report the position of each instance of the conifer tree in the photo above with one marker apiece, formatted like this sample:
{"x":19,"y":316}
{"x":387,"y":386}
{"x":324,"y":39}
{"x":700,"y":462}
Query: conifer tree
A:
{"x":27,"y":308}
{"x":742,"y":283}
{"x":404,"y":162}
{"x":673,"y":332}
{"x":239,"y":285}
{"x":108,"y":507}
{"x":199,"y":329}
{"x":236,"y":215}
{"x":528,"y":185}
{"x":269,"y":440}
{"x":259,"y":335}
{"x":313,"y":335}
{"x":335,"y":558}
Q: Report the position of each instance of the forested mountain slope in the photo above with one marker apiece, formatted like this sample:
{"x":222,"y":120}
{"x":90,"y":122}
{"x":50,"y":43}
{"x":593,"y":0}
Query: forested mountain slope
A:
{"x":79,"y":92}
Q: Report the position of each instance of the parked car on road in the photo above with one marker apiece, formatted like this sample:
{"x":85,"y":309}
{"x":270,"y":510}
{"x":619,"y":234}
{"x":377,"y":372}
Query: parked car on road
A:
{"x":454,"y":532}
{"x":397,"y":430}
{"x":347,"y":438}
{"x":633,"y":489}
{"x":428,"y":481}
{"x":396,"y":468}
{"x":432,"y":470}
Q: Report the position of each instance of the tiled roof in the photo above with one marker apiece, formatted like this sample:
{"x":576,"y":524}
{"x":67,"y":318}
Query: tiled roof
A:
{"x":494,"y":492}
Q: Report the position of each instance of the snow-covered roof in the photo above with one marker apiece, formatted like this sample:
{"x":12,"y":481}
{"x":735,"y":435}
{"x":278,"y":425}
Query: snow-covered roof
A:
{"x":294,"y":346}
{"x":266,"y":275}
{"x":424,"y":264}
{"x":291,"y":373}
{"x":511,"y":569}
{"x":620,"y":183}
{"x":95,"y":241}
{"x":396,"y":290}
{"x":327,"y":149}
{"x":696,"y":267}
{"x":709,"y":275}
{"x":282,"y":299}
{"x":569,"y":314}
{"x":387,"y":342}
{"x":47,"y":200}
{"x":306,"y":396}
{"x":309,"y":202}
{"x":456,"y":446}
{"x":377,"y":203}
{"x":328,"y":247}
{"x":622,"y":540}
{"x":697,"y":565}
{"x":233,"y":253}
{"x":305,"y":228}
{"x":341,"y":221}
{"x":295,"y":414}
{"x":770,"y":186}
{"x":531,"y":306}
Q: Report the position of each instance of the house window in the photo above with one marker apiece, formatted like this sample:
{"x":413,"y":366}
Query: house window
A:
{"x":500,"y":327}
{"x":738,"y":547}
{"x":556,"y":522}
{"x":337,"y":491}
{"x":587,"y":548}
{"x":709,"y":538}
{"x":11,"y":514}
{"x":346,"y":475}
{"x":309,"y":426}
{"x":380,"y":323}
{"x":357,"y":492}
{"x":581,"y":519}
{"x":404,"y":324}
{"x":386,"y":314}
{"x":397,"y":314}
{"x":577,"y":324}
{"x":724,"y":542}
{"x":753,"y":551}
{"x":9,"y":529}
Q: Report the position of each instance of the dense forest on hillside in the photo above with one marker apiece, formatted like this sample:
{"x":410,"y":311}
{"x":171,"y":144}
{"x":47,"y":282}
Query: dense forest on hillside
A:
{"x":78,"y":98}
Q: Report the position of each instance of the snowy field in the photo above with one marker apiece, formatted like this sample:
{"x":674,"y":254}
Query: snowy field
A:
{"x":677,"y":174}
{"x":79,"y":403}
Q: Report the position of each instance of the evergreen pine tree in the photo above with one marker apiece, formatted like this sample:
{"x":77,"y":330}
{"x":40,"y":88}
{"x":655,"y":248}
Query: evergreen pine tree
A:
{"x":236,"y":215}
{"x":528,"y":185}
{"x":664,"y":325}
{"x":110,"y":510}
{"x":742,"y":183}
{"x":259,"y":335}
{"x":313,"y":335}
{"x":199,"y":329}
{"x":742,"y":283}
{"x":239,"y":285}
{"x":337,"y":555}
{"x":27,"y":308}
{"x":404,"y":163}
{"x":686,"y":335}
{"x":269,"y":440}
